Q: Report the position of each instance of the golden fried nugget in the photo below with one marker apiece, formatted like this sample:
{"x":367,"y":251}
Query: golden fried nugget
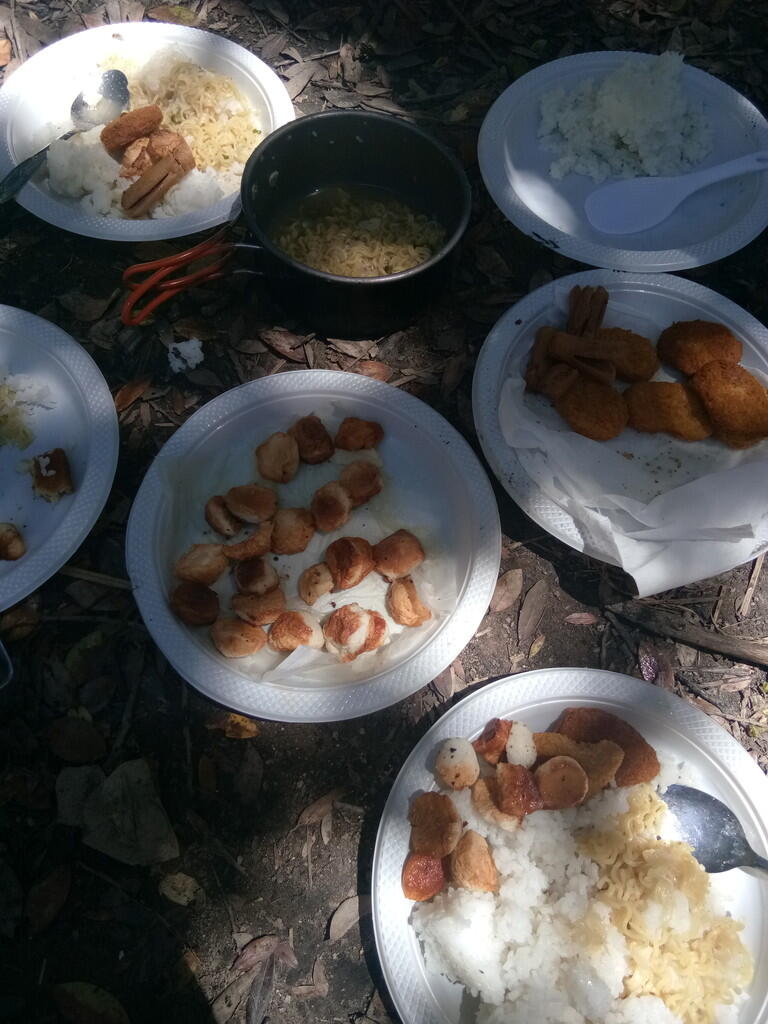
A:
{"x":516,"y":791}
{"x":491,"y":744}
{"x":361,"y":480}
{"x":295,"y":629}
{"x":293,"y":529}
{"x":130,"y":126}
{"x":194,"y":603}
{"x":12,"y":545}
{"x":633,"y":355}
{"x":253,"y":546}
{"x":314,"y":441}
{"x":690,"y":344}
{"x":253,"y":503}
{"x":472,"y":864}
{"x":484,"y":800}
{"x":51,"y":475}
{"x":255,"y":576}
{"x":355,"y":434}
{"x":351,"y":631}
{"x":314,"y":582}
{"x":219,"y":518}
{"x":599,"y":760}
{"x":736,"y":401}
{"x":586,"y":309}
{"x":235,"y":638}
{"x":423,"y":877}
{"x":562,"y":783}
{"x":559,"y":378}
{"x":398,"y":555}
{"x":404,"y":604}
{"x":349,"y":559}
{"x":669,"y":407}
{"x":590,"y":725}
{"x":162,"y":143}
{"x":593,"y":409}
{"x":277,"y":458}
{"x":259,"y":609}
{"x":435,"y":824}
{"x":331,"y":507}
{"x":202,"y":563}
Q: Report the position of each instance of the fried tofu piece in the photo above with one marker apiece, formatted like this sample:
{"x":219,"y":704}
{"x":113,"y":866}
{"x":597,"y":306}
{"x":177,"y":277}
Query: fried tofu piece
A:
{"x":435,"y":824}
{"x":136,"y":158}
{"x":163,"y":143}
{"x":314,"y":442}
{"x":203,"y":563}
{"x":331,"y":507}
{"x":252,"y":503}
{"x":690,"y":344}
{"x":423,"y":877}
{"x":362,"y":481}
{"x":600,"y":760}
{"x":219,"y":518}
{"x":398,"y":555}
{"x":235,"y":638}
{"x":351,"y":631}
{"x":516,"y":791}
{"x":456,"y":764}
{"x":51,"y":475}
{"x":259,"y":609}
{"x":485,"y":802}
{"x":355,"y":434}
{"x":255,"y":576}
{"x":194,"y":603}
{"x":404,"y":604}
{"x":130,"y":126}
{"x":295,"y":629}
{"x":668,"y":407}
{"x":349,"y":560}
{"x":277,"y":458}
{"x":256,"y":544}
{"x":293,"y":529}
{"x":12,"y":545}
{"x":562,"y":782}
{"x":472,"y":864}
{"x":150,"y":188}
{"x":736,"y":401}
{"x":314,"y":582}
{"x":590,"y":725}
{"x":559,"y":379}
{"x":633,"y":355}
{"x":492,"y":741}
{"x":593,"y":409}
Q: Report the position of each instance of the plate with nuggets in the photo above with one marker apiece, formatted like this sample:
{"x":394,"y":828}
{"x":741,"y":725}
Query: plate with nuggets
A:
{"x":313,"y":546}
{"x":479,"y":852}
{"x":58,"y":450}
{"x":622,"y":412}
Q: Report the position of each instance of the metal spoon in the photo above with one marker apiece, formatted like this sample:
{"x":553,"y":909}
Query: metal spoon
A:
{"x":98,"y":104}
{"x":625,"y":207}
{"x":712,"y":830}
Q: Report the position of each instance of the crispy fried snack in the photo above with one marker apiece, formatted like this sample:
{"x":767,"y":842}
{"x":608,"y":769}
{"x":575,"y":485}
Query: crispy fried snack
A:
{"x":252,"y":546}
{"x":736,"y":401}
{"x":404,"y":604}
{"x":314,"y":582}
{"x":690,"y":344}
{"x":562,"y":783}
{"x":593,"y":409}
{"x":295,"y":629}
{"x":599,"y":760}
{"x":130,"y":126}
{"x":331,"y":506}
{"x":255,"y":576}
{"x":355,"y":434}
{"x":361,"y":480}
{"x":219,"y":518}
{"x":293,"y":529}
{"x":586,"y":309}
{"x":590,"y":725}
{"x":349,"y":559}
{"x":485,"y":802}
{"x":423,"y":877}
{"x":12,"y":545}
{"x":195,"y":604}
{"x":51,"y":475}
{"x":202,"y":563}
{"x":516,"y":791}
{"x":660,"y":406}
{"x":235,"y":638}
{"x":277,"y":458}
{"x":435,"y":824}
{"x":492,"y":741}
{"x":398,"y":555}
{"x":351,"y":631}
{"x":539,"y":361}
{"x":314,"y":441}
{"x":253,"y":503}
{"x":472,"y":865}
{"x":259,"y":609}
{"x":559,"y":378}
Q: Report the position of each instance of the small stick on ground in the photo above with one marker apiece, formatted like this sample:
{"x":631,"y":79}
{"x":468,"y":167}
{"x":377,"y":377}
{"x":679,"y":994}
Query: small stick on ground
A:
{"x":749,"y":593}
{"x":95,"y":577}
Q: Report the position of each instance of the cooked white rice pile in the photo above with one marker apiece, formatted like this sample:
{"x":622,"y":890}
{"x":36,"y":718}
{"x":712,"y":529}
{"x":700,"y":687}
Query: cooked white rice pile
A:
{"x":636,"y":121}
{"x":19,"y":395}
{"x":546,"y":950}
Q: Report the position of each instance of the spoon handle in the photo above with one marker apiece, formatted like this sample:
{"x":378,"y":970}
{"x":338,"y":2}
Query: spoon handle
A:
{"x":758,"y":862}
{"x":731,"y":169}
{"x":16,"y":179}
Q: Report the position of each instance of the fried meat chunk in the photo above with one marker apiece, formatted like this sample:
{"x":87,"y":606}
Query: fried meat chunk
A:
{"x":472,"y":864}
{"x":423,"y":877}
{"x":562,"y":782}
{"x":633,"y":355}
{"x":492,"y":741}
{"x":331,"y":507}
{"x":256,"y":544}
{"x":314,"y":442}
{"x":589,"y":725}
{"x":130,"y":126}
{"x":601,"y":760}
{"x":361,"y":480}
{"x":259,"y":609}
{"x":351,"y":631}
{"x":12,"y":545}
{"x":219,"y":518}
{"x":252,"y":503}
{"x":404,"y":604}
{"x":314,"y":582}
{"x":435,"y":824}
{"x":293,"y":529}
{"x":485,"y":802}
{"x":203,"y":563}
{"x":516,"y":791}
{"x":398,"y":555}
{"x":194,"y":603}
{"x":51,"y":475}
{"x":355,"y":434}
{"x":277,"y":458}
{"x":736,"y":401}
{"x":295,"y":629}
{"x":593,"y":409}
{"x":690,"y":344}
{"x":255,"y":576}
{"x":235,"y":638}
{"x":669,"y":407}
{"x":349,"y":560}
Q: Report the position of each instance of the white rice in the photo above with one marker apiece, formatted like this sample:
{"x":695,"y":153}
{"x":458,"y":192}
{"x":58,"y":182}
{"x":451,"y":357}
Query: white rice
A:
{"x":636,"y":121}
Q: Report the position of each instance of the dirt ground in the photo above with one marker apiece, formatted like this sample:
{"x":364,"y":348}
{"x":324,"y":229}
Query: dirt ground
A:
{"x":93,"y":694}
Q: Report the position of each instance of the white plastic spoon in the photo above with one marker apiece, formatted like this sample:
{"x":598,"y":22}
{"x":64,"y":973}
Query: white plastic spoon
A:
{"x":624,"y":207}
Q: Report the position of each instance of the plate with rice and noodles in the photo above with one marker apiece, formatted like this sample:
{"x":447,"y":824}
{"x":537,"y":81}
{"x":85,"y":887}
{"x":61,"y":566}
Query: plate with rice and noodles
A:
{"x":527,"y":868}
{"x":168,"y":167}
{"x":564,"y":128}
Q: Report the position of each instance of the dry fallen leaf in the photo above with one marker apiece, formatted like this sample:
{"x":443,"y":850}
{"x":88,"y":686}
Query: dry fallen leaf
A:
{"x":508,"y":589}
{"x":348,"y":913}
{"x":128,"y":393}
{"x":261,"y":992}
{"x":315,"y":812}
{"x":285,"y":343}
{"x":375,"y":369}
{"x":46,"y":898}
{"x":83,"y":1003}
{"x":234,"y":727}
{"x":85,"y":308}
{"x":257,"y":950}
{"x":73,"y":787}
{"x":532,"y":610}
{"x":175,"y":14}
{"x":582,"y":619}
{"x":228,"y":1001}
{"x":180,"y":888}
{"x":536,"y":646}
{"x":319,"y":987}
{"x":75,"y":740}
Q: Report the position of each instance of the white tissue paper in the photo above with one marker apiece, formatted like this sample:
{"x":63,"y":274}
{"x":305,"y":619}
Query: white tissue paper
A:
{"x":669,"y":512}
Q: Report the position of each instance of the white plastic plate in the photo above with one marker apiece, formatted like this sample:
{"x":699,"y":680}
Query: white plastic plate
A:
{"x":713,"y":223}
{"x":672,"y":726}
{"x":83,"y":422}
{"x":40,"y":93}
{"x":430,"y":476}
{"x":674,"y":297}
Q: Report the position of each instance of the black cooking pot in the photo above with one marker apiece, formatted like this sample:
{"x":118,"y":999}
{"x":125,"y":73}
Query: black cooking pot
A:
{"x":349,"y":148}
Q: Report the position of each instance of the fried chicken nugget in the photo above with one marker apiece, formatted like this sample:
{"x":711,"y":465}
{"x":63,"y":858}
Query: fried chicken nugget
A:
{"x":361,"y":480}
{"x":668,"y":407}
{"x":293,"y":529}
{"x":690,"y":344}
{"x":130,"y":126}
{"x":349,"y":560}
{"x":194,"y":603}
{"x":491,"y":744}
{"x":472,"y":864}
{"x":355,"y":434}
{"x":331,"y":506}
{"x":277,"y":458}
{"x":516,"y":791}
{"x":736,"y":401}
{"x":295,"y":629}
{"x":12,"y":545}
{"x":600,"y":760}
{"x":589,"y":725}
{"x":485,"y":802}
{"x":633,"y":355}
{"x":404,"y":604}
{"x":235,"y":638}
{"x":435,"y":824}
{"x":314,"y":441}
{"x":259,"y":609}
{"x":593,"y":409}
